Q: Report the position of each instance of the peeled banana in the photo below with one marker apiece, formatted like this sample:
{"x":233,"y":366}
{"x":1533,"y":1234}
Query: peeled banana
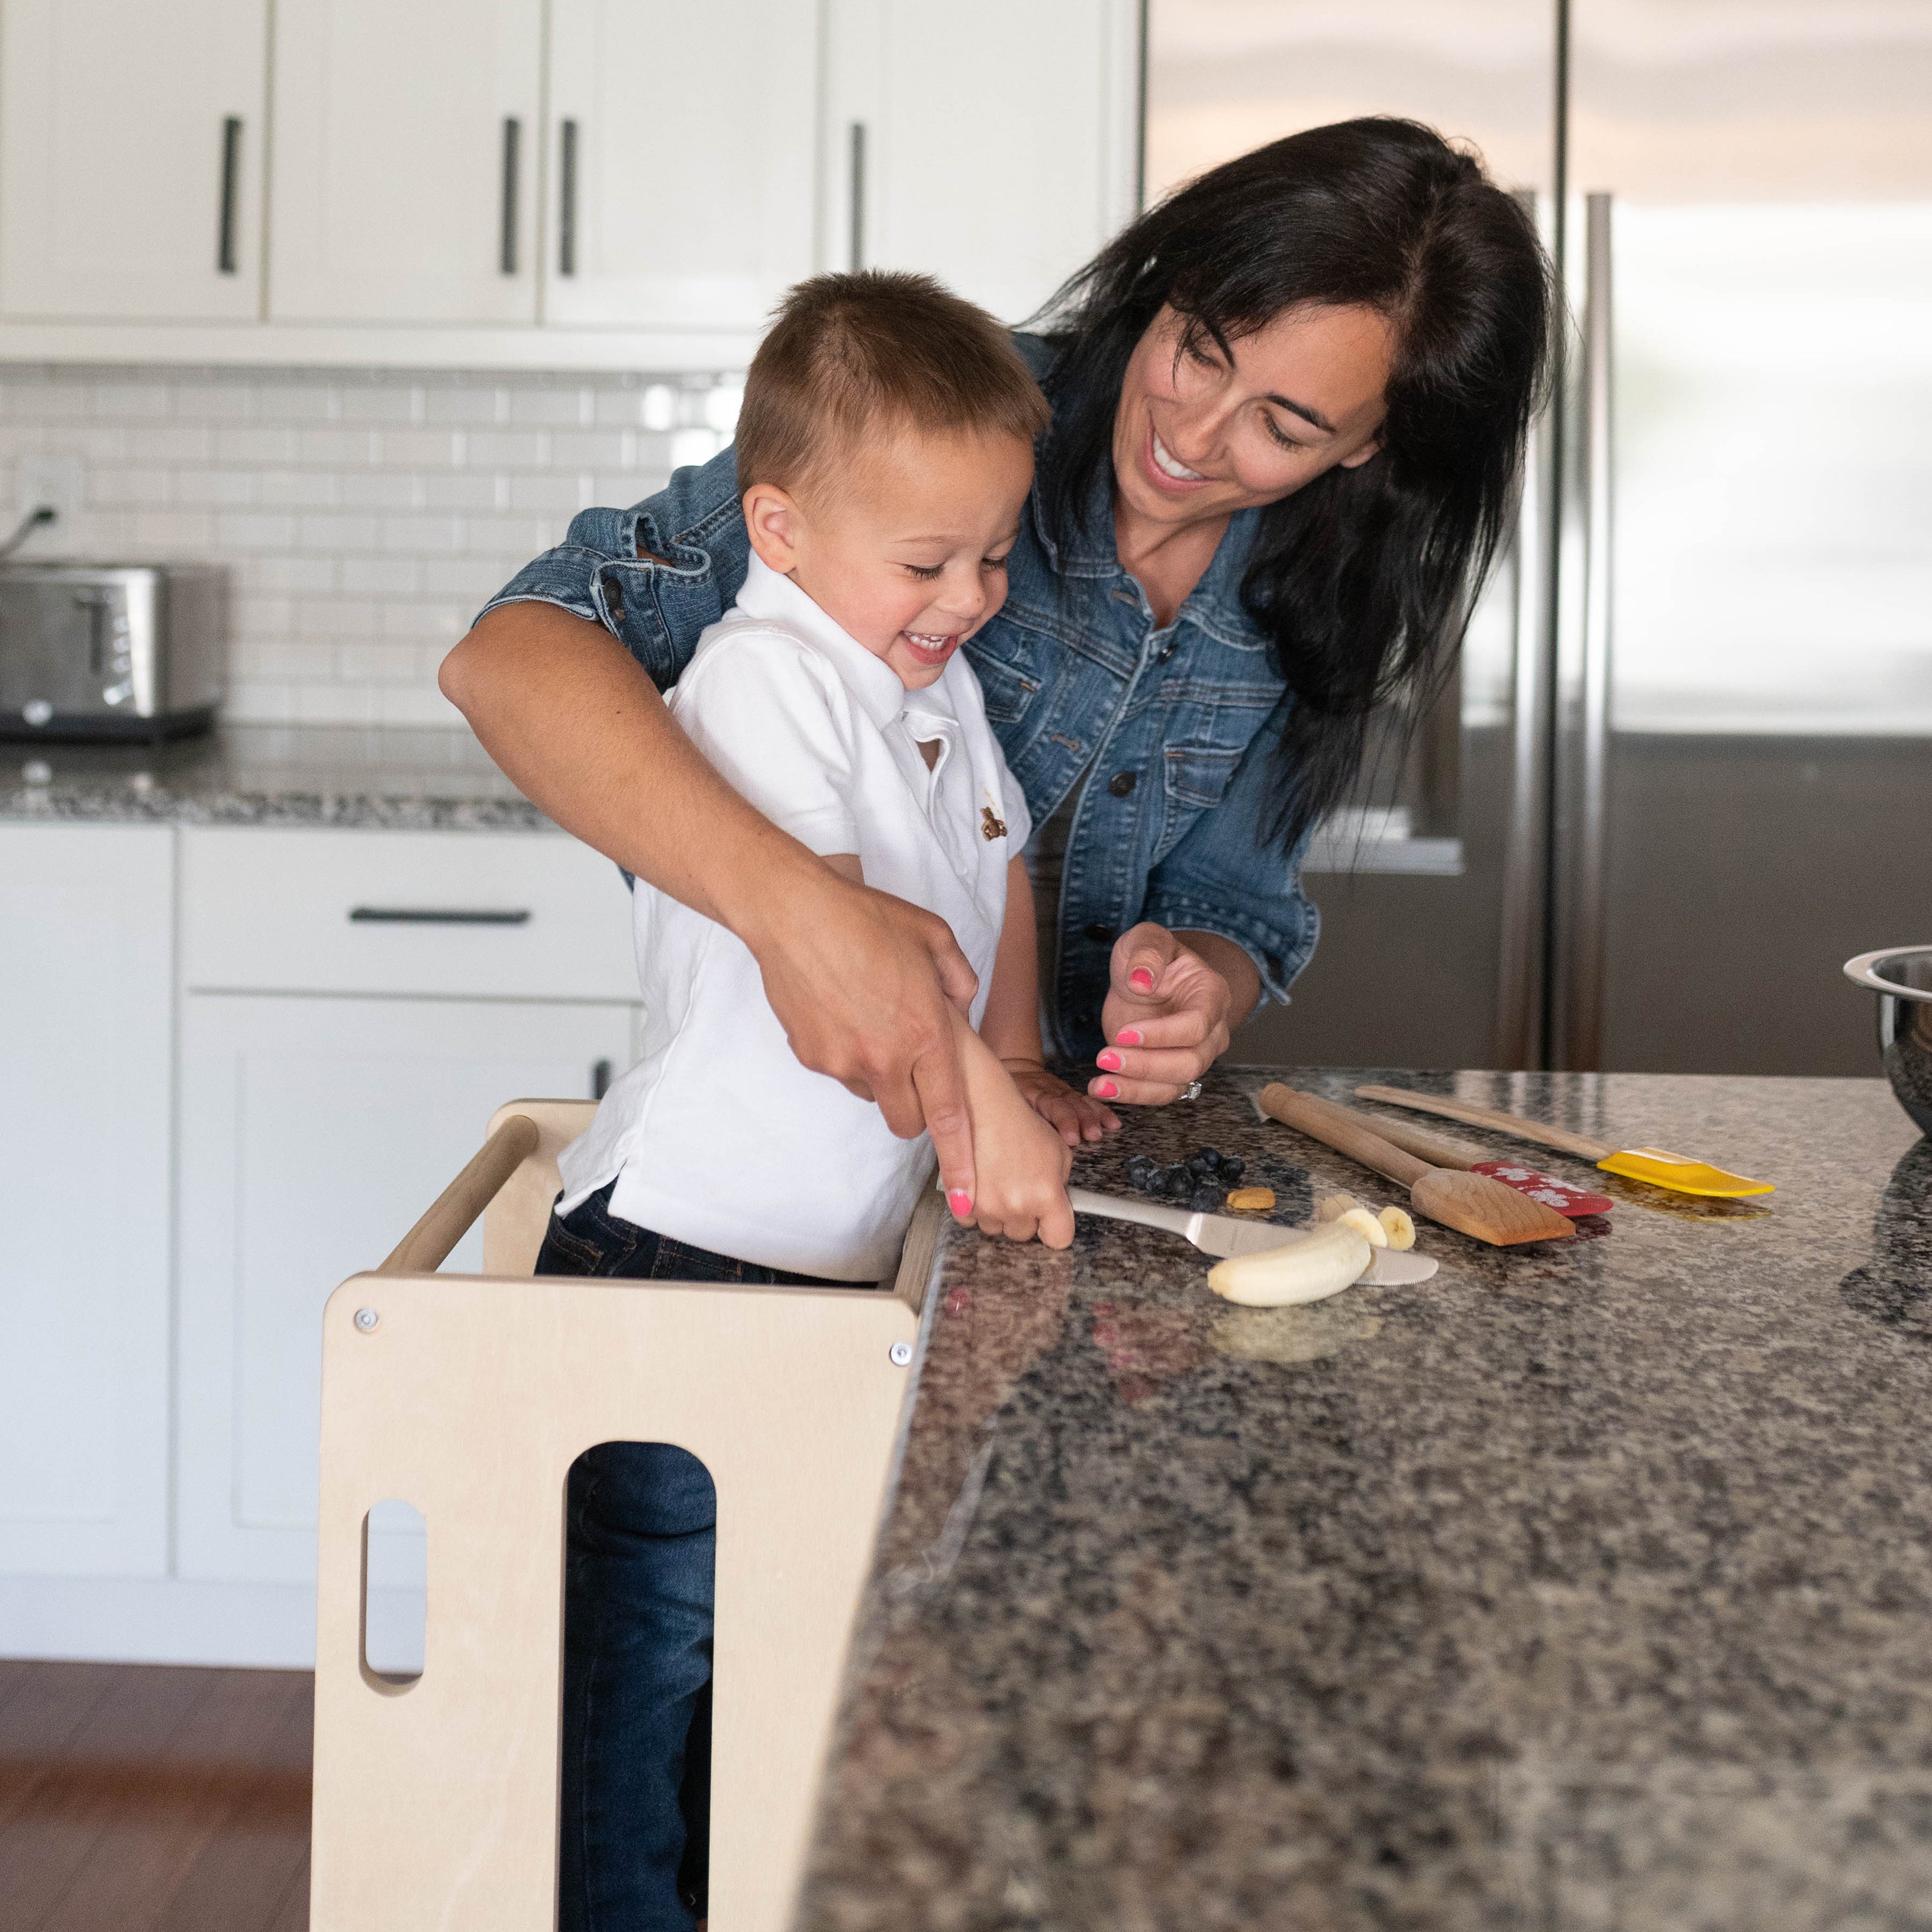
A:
{"x":1324,"y":1263}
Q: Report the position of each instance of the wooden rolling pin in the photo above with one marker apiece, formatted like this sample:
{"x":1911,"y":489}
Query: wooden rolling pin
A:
{"x":1472,"y":1203}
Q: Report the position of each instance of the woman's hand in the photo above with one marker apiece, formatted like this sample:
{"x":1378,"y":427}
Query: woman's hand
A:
{"x":1167,"y":1017}
{"x":1070,"y":1113}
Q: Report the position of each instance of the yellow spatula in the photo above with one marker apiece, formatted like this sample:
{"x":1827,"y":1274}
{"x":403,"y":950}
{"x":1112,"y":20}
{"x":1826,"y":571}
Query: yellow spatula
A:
{"x":1643,"y":1163}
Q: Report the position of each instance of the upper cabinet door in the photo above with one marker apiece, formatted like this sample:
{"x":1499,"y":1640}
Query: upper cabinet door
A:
{"x":681,"y":162}
{"x":408,"y":161}
{"x":131,"y":140}
{"x":992,"y":145}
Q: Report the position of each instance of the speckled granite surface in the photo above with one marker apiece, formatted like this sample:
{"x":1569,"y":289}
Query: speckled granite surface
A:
{"x":410,"y":780}
{"x":1582,"y":1589}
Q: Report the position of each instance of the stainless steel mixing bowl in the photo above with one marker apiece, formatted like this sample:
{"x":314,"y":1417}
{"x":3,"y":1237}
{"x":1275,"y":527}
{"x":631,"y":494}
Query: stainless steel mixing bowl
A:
{"x":1901,"y":976}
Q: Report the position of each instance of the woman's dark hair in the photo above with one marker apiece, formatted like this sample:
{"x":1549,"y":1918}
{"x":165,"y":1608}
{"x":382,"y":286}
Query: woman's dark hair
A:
{"x":1362,"y":579}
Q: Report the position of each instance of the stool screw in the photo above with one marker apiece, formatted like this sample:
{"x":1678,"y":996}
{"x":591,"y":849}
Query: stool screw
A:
{"x":366,"y":1318}
{"x":900,"y":1353}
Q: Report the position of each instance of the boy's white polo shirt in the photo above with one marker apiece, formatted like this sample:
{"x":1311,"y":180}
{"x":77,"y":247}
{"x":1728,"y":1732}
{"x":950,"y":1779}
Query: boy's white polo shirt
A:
{"x":718,"y":1136}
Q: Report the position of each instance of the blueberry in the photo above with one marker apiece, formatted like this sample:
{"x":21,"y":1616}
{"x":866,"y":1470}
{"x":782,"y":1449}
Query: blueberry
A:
{"x":1200,"y":1166}
{"x":1180,"y":1182}
{"x":1232,"y":1167}
{"x":1205,"y":1200}
{"x":1138,"y":1169}
{"x":1213,"y":1156}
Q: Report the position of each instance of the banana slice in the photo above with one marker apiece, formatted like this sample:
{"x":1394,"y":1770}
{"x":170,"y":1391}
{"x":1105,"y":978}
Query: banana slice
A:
{"x":1324,"y":1263}
{"x":1401,"y":1228}
{"x":1333,"y":1207}
{"x":1374,"y":1232}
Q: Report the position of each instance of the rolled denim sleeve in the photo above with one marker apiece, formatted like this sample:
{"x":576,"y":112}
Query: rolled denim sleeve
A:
{"x":1223,"y":877}
{"x":654,"y":575}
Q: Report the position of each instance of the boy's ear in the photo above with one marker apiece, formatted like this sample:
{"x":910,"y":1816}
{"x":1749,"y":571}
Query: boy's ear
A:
{"x":771,"y":517}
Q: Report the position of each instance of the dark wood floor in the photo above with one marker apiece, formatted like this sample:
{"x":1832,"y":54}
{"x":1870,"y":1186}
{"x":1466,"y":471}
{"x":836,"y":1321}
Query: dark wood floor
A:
{"x":137,"y":1798}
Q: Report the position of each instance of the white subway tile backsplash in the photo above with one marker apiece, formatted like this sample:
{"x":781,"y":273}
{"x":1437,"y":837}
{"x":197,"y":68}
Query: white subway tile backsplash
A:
{"x":565,"y":492}
{"x":227,"y":488}
{"x":365,"y":517}
{"x":172,"y":533}
{"x":506,"y":449}
{"x":339,"y":447}
{"x":422,"y":448}
{"x":172,"y":443}
{"x":335,"y":535}
{"x":385,"y":490}
{"x":250,"y":529}
{"x":132,"y":489}
{"x":560,"y":408}
{"x":381,"y":577}
{"x":479,"y":404}
{"x":297,"y":489}
{"x":461,"y":491}
{"x":265,"y":447}
{"x":297,"y":573}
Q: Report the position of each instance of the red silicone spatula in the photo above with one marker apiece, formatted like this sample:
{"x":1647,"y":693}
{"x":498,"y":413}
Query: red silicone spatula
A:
{"x":1573,"y":1203}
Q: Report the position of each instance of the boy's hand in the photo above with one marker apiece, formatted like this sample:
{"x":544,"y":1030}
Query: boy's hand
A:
{"x":1022,"y":1162}
{"x":1075,"y":1116}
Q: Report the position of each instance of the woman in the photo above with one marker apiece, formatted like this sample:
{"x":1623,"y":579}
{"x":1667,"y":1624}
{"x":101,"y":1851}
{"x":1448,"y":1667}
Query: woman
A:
{"x":1289,"y":406}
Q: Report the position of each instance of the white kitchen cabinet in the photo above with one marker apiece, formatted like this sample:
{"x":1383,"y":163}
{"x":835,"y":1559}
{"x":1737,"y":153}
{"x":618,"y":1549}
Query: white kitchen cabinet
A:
{"x":682,"y":161}
{"x":132,"y":141}
{"x":86,"y":999}
{"x":993,"y":146}
{"x":406,"y":183}
{"x":314,"y":1132}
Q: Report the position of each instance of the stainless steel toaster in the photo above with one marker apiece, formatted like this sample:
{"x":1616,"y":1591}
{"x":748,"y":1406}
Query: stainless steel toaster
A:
{"x":97,"y":650}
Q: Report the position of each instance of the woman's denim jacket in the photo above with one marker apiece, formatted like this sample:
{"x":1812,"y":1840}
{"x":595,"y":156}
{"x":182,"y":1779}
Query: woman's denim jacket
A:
{"x":1178,"y":724}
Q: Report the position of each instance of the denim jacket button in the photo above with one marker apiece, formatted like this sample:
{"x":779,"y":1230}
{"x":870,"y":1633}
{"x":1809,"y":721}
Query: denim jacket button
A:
{"x":1122,"y":783}
{"x":1101,"y":935}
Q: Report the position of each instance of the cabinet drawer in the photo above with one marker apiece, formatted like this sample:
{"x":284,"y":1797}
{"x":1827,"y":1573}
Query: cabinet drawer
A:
{"x":523,"y":915}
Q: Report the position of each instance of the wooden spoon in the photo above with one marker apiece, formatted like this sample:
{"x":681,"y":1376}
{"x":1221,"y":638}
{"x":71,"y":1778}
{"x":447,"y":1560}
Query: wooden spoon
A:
{"x":1472,"y":1203}
{"x":1569,"y":1201}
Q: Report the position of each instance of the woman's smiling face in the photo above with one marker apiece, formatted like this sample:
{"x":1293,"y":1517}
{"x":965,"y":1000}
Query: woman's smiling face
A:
{"x":1201,"y":430}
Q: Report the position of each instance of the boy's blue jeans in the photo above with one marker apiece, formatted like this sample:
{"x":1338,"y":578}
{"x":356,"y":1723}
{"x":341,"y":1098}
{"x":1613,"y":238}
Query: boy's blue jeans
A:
{"x":641,"y":1538}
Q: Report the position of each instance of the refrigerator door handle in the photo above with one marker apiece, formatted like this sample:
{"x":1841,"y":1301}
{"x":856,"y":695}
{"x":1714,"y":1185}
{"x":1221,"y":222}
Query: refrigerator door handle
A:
{"x":1583,"y":881}
{"x":1521,"y":992}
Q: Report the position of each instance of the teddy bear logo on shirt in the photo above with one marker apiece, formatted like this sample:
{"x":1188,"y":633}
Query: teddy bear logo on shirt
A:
{"x":991,"y":823}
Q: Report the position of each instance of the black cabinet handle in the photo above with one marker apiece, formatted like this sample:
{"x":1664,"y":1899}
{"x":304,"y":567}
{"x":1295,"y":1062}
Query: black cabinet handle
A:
{"x":231,"y":188}
{"x":566,"y":209}
{"x":513,"y":139}
{"x":437,"y":915}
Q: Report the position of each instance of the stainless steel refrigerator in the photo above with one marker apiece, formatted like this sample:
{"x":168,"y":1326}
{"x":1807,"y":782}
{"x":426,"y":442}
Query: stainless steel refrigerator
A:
{"x":1687,"y":769}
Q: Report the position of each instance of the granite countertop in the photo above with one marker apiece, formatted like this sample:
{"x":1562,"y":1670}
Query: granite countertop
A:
{"x":426,"y":779}
{"x":1584,"y":1588}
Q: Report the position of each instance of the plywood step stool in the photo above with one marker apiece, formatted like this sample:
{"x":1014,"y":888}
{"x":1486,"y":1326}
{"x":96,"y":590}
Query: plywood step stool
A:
{"x":470,"y":1395}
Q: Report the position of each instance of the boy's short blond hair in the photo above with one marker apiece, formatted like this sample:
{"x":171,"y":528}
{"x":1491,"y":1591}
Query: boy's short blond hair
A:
{"x":853,"y":357}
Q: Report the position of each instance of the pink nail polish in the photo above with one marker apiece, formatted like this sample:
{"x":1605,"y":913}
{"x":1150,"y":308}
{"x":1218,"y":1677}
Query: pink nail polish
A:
{"x":1105,"y":1089}
{"x":1141,"y":979}
{"x":960,"y":1202}
{"x":1110,"y":1059}
{"x":1130,"y":1037}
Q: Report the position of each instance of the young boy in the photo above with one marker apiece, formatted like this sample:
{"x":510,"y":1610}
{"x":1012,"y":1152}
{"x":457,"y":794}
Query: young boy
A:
{"x":885,"y":453}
